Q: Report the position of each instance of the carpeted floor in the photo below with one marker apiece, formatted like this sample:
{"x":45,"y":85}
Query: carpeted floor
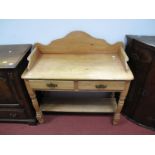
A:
{"x":76,"y":124}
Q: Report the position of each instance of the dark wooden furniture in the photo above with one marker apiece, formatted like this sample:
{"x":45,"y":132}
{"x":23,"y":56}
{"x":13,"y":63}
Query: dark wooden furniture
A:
{"x":140,"y":102}
{"x":15,"y":104}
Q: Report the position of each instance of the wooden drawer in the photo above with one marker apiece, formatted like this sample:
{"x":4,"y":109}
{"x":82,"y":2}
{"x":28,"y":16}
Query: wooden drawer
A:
{"x":101,"y":85}
{"x":12,"y":113}
{"x":51,"y":84}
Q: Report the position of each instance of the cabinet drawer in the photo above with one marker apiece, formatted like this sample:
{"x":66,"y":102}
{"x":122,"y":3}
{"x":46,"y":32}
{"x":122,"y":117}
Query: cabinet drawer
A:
{"x":51,"y":84}
{"x":101,"y":85}
{"x":12,"y":113}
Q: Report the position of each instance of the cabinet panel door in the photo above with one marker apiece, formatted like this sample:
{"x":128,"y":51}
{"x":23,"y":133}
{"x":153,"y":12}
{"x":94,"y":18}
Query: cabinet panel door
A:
{"x":140,"y":60}
{"x":6,"y":95}
{"x":145,"y":111}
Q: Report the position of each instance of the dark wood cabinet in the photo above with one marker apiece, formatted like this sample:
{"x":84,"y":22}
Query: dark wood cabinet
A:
{"x":15,"y":104}
{"x":140,"y":102}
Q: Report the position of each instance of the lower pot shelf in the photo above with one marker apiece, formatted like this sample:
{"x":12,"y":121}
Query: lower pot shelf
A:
{"x":92,"y":103}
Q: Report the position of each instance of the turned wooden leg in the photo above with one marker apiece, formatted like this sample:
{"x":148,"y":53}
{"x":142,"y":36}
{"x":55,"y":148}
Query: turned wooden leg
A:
{"x":35,"y":104}
{"x":117,"y":114}
{"x":119,"y":108}
{"x":39,"y":114}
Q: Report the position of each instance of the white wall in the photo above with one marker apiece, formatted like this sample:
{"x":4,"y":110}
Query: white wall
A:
{"x":31,"y":31}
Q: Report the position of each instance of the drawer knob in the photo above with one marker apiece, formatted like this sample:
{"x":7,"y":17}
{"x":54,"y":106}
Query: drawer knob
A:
{"x":101,"y":86}
{"x":51,"y":85}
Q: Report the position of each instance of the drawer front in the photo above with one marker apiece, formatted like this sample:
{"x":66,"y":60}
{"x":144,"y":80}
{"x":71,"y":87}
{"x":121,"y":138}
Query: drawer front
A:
{"x":101,"y":85}
{"x":12,"y":114}
{"x":51,"y":84}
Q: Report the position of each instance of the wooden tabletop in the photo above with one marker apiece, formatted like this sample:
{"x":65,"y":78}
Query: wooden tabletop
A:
{"x":78,"y":67}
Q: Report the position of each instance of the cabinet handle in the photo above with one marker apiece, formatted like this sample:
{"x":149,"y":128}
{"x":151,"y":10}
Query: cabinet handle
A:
{"x":3,"y":79}
{"x":135,"y":56}
{"x":101,"y":86}
{"x":51,"y":85}
{"x":13,"y":115}
{"x":144,"y":92}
